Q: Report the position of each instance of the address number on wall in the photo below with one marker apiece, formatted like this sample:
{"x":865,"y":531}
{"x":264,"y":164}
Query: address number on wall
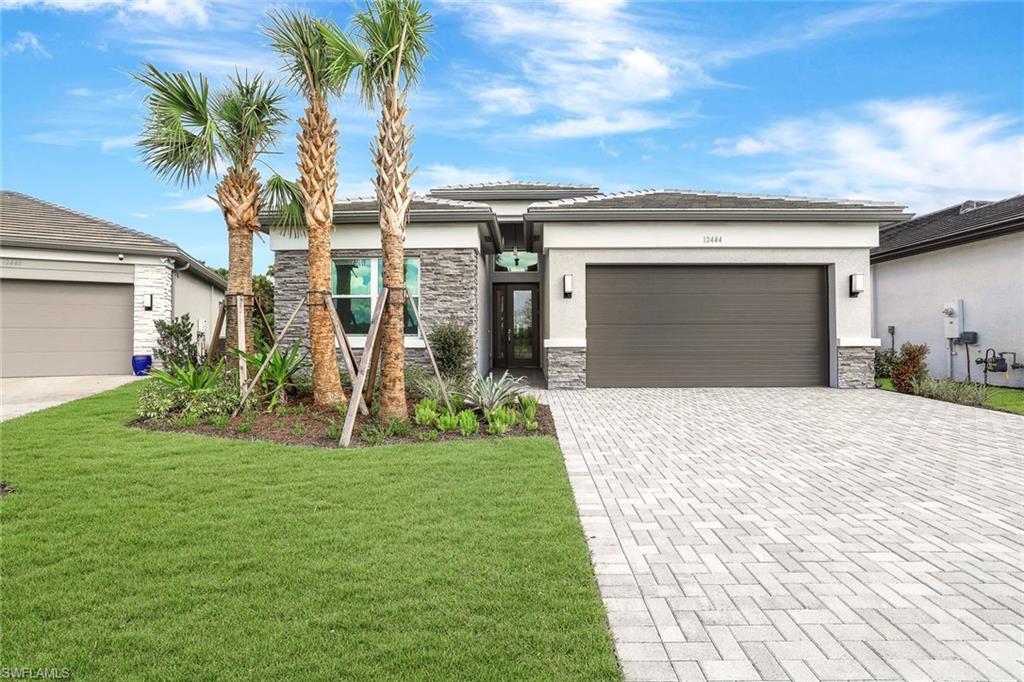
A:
{"x":712,"y":239}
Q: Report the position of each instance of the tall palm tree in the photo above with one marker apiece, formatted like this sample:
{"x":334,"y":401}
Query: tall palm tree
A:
{"x":299,"y":39}
{"x":190,"y":131}
{"x":385,"y":55}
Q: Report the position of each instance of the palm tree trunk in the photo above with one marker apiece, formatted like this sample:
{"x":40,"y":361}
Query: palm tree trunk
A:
{"x":392,"y":160}
{"x":318,"y":179}
{"x":239,"y":194}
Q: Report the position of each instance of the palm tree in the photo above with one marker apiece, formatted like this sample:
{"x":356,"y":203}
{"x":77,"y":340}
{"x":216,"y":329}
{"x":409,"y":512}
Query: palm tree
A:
{"x":189,"y":131}
{"x":299,"y":39}
{"x":385,"y":54}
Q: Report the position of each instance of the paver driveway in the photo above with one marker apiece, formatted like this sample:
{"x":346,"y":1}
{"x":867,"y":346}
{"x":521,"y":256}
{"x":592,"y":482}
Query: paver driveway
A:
{"x":804,"y":534}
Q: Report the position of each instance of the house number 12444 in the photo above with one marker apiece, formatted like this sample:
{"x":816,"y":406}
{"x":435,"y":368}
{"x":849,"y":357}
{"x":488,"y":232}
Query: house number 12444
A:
{"x":712,"y":239}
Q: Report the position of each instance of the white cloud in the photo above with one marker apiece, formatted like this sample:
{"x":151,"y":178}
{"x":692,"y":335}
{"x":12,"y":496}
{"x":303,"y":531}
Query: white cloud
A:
{"x":505,"y":99}
{"x":26,"y":42}
{"x":208,"y":55}
{"x":111,"y":143}
{"x":438,"y":174}
{"x":171,"y":11}
{"x":203,"y":204}
{"x":928,"y":153}
{"x":81,"y":92}
{"x":635,"y":121}
{"x":610,"y":151}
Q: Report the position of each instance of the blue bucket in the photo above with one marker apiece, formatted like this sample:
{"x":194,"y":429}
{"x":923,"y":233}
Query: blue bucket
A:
{"x":141,"y":364}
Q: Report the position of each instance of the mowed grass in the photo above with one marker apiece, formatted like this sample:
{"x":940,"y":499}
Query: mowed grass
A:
{"x":130,"y":554}
{"x":999,"y":397}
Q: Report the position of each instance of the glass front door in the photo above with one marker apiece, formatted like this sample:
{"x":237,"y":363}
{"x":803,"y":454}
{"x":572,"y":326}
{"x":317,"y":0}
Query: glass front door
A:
{"x":516,"y":325}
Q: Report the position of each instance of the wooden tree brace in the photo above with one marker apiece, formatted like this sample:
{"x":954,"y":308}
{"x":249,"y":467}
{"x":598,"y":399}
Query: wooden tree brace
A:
{"x":346,"y":351}
{"x":372,"y":342}
{"x":215,"y":339}
{"x":430,"y":354}
{"x":266,"y":361}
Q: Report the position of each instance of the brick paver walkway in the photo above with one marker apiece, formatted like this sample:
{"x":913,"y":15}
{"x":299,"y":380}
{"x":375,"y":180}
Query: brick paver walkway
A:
{"x":801,"y":534}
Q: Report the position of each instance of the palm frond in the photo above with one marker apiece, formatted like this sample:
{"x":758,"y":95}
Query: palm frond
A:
{"x":283,"y":200}
{"x":299,"y":39}
{"x":346,"y":57}
{"x":395,"y":34}
{"x":179,"y":141}
{"x":248,"y":114}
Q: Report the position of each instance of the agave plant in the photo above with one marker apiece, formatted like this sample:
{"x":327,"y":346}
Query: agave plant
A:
{"x":278,"y":376}
{"x":190,"y":377}
{"x":488,"y":394}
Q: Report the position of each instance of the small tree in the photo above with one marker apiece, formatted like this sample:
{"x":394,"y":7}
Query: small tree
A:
{"x":175,"y":343}
{"x":452,"y":345}
{"x":911,"y":367}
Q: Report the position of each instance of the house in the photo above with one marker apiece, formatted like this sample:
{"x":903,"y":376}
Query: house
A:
{"x":80,"y":295}
{"x":644,"y":288}
{"x":944,"y":277}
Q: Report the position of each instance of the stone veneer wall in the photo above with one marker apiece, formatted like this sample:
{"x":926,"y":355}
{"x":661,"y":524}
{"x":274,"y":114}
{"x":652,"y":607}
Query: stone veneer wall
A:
{"x":856,"y":367}
{"x":448,"y":290}
{"x":567,"y":368}
{"x":156,"y":280}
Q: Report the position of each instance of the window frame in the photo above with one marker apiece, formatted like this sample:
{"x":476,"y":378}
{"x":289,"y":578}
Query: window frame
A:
{"x":359,"y":340}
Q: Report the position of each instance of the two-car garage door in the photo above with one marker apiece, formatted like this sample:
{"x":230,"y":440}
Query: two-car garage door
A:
{"x":695,"y":325}
{"x":64,"y":328}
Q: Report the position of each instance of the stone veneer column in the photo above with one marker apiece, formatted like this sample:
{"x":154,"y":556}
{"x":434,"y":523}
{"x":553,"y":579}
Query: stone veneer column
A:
{"x":448,"y":290}
{"x":856,"y":367}
{"x":567,"y":368}
{"x":156,"y":280}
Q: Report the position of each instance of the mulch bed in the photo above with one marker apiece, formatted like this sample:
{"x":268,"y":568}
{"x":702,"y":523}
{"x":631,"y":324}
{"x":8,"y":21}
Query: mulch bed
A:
{"x":302,"y":423}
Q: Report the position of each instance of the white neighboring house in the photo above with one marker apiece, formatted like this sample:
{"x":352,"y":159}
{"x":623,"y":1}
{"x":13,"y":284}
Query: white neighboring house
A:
{"x":969,"y":259}
{"x":80,"y":295}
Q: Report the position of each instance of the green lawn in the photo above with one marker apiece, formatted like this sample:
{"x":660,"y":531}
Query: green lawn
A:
{"x":999,"y":398}
{"x":145,"y":555}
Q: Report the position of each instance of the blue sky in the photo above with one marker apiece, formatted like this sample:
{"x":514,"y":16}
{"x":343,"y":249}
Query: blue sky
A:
{"x":917,"y":103}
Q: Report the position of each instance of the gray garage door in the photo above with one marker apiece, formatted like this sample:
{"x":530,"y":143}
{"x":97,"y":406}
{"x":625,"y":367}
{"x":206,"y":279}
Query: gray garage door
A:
{"x":64,"y":328}
{"x":707,"y":326}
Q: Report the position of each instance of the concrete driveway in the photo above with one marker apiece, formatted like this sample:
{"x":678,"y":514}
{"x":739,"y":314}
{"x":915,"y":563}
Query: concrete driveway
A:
{"x":22,"y":395}
{"x":801,"y":534}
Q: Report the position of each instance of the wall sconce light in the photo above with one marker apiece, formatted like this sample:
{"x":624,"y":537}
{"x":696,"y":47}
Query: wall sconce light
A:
{"x":147,"y":301}
{"x":856,"y":285}
{"x":567,"y":286}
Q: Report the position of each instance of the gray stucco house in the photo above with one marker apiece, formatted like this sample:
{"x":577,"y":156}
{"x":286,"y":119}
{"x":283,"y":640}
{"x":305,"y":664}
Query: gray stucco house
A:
{"x":81,"y":296}
{"x":643,"y":288}
{"x":967,"y":259}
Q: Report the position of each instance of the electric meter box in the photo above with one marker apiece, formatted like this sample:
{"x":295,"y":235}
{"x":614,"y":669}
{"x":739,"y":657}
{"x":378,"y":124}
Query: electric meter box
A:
{"x":953,"y":318}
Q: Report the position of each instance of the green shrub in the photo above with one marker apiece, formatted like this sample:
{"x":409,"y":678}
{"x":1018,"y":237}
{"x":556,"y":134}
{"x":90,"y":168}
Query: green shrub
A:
{"x":529,"y":404}
{"x":415,"y":377}
{"x":190,"y":377}
{"x":245,"y":426}
{"x":487,"y":394}
{"x":427,"y":436}
{"x":911,"y":366}
{"x":468,"y":424}
{"x":334,"y":427}
{"x":428,"y":387}
{"x":452,"y":345}
{"x":426,"y":412}
{"x":298,"y":429}
{"x":885,"y":361}
{"x":399,"y":428}
{"x":220,"y":421}
{"x":158,"y":400}
{"x":374,"y":433}
{"x":499,"y":421}
{"x":950,"y":390}
{"x":276,"y":379}
{"x":175,"y":344}
{"x":446,"y":421}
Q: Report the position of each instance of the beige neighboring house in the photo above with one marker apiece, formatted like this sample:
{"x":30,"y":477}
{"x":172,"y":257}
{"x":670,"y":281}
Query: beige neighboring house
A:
{"x":81,"y":296}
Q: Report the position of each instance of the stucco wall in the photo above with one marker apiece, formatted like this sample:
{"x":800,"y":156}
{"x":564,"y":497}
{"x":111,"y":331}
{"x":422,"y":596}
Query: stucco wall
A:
{"x":200,"y":299}
{"x":988,"y":275}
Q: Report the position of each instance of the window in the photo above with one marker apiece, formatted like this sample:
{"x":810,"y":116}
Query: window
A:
{"x":357,"y":282}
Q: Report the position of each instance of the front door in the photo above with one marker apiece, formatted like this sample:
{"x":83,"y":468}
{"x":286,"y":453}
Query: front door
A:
{"x":516,"y":325}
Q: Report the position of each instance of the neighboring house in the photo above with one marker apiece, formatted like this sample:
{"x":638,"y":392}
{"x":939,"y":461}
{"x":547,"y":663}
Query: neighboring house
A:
{"x":80,"y":295}
{"x":646,"y":288}
{"x":968,"y":258}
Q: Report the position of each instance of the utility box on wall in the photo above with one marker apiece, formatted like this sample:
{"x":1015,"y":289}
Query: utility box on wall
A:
{"x":953,"y":318}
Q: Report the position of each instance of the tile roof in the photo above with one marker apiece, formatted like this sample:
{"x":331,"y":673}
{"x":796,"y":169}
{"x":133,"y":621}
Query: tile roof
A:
{"x":514,"y":185}
{"x":419,"y":203}
{"x":949,"y":223}
{"x":25,"y":218}
{"x":28,"y":221}
{"x":685,"y":198}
